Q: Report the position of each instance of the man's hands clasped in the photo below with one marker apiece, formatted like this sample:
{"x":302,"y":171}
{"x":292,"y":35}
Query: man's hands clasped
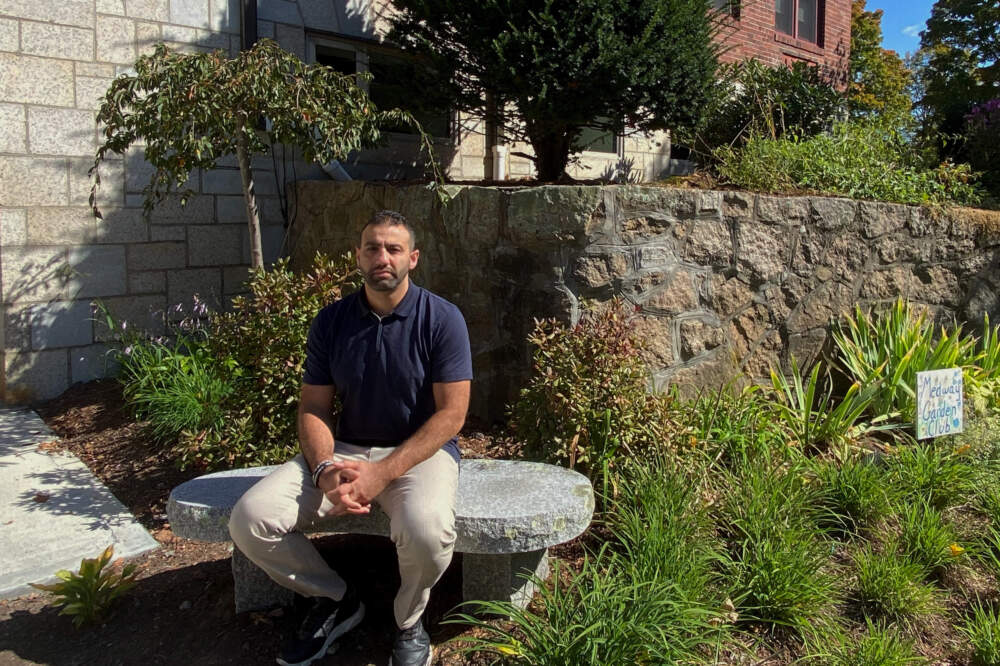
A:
{"x":352,"y":485}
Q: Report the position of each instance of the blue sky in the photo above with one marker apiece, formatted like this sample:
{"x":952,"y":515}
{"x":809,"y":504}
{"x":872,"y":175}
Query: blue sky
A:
{"x":902,"y":22}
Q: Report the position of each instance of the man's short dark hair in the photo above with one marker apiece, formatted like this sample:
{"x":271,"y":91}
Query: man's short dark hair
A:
{"x":392,"y":218}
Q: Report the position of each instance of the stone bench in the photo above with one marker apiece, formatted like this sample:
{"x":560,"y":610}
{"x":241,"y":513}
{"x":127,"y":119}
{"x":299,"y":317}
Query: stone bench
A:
{"x":507,"y":515}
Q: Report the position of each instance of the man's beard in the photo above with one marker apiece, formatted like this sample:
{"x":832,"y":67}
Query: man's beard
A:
{"x":385,"y":283}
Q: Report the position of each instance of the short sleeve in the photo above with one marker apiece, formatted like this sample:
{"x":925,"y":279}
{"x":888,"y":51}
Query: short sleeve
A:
{"x":451,"y":359}
{"x":317,"y":370}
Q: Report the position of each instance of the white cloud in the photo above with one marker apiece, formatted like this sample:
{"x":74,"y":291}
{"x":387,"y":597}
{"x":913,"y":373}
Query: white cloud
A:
{"x":913,"y":30}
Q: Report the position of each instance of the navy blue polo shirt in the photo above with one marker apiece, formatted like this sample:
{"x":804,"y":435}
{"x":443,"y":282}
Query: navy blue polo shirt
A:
{"x":384,"y":368}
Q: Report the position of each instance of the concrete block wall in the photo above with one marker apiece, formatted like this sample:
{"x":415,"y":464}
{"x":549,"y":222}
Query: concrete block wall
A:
{"x":57,"y":58}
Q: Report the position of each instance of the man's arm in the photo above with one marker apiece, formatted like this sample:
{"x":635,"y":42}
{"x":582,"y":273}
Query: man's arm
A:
{"x":316,"y":423}
{"x":317,"y":443}
{"x":451,"y":401}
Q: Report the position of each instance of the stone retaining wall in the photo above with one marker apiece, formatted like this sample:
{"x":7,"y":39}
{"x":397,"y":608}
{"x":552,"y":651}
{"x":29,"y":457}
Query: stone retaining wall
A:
{"x":725,"y":282}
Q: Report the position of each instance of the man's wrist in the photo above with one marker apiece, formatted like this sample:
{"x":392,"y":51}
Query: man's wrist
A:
{"x":321,"y":466}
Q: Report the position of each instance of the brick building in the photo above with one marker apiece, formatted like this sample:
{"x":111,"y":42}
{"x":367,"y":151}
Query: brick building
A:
{"x":57,"y":57}
{"x":776,"y":32}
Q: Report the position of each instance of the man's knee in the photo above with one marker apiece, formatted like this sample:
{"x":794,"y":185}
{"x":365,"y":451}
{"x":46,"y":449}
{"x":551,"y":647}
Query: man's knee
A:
{"x":424,"y":531}
{"x":249,"y":523}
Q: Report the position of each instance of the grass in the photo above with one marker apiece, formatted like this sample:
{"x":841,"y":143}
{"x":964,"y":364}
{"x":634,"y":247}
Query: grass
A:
{"x":982,"y":629}
{"x":604,"y":614}
{"x":854,"y":493}
{"x":880,"y":645}
{"x":891,"y":587}
{"x":927,"y":539}
{"x":932,"y":473}
{"x":775,"y":552}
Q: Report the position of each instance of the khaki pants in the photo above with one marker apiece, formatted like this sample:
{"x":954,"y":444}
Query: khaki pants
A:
{"x":266,"y":525}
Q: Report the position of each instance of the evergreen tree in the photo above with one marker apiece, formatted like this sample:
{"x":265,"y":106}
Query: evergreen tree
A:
{"x":562,"y":65}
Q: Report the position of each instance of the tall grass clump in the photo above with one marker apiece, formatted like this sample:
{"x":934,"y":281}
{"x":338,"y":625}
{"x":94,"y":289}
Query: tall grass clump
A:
{"x":661,"y":526}
{"x":731,"y":428}
{"x":854,"y":493}
{"x":891,"y":587}
{"x":931,"y":472}
{"x":982,"y":628}
{"x":814,"y":416}
{"x":880,"y":645}
{"x":858,"y":159}
{"x":604,"y":614}
{"x":927,"y":539}
{"x":587,"y":401}
{"x":775,"y":554}
{"x":171,"y":381}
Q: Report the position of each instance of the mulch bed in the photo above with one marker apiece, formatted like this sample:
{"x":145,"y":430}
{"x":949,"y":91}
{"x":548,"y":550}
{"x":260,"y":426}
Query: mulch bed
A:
{"x":181,"y":611}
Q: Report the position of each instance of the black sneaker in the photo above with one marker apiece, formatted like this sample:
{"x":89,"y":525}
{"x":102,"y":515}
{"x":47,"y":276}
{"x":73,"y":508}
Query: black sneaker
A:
{"x":412,"y":647}
{"x":326,"y":621}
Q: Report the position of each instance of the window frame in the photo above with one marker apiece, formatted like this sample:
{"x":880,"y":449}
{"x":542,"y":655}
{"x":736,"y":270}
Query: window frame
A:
{"x":362,"y":50}
{"x":820,"y":24}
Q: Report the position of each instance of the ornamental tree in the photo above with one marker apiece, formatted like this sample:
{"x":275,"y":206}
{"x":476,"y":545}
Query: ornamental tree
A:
{"x":562,"y":65}
{"x":878,"y":80}
{"x":190,"y":110}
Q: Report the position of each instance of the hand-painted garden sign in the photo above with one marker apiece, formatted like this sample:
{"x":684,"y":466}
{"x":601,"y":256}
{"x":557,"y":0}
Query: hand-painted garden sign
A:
{"x":939,"y":402}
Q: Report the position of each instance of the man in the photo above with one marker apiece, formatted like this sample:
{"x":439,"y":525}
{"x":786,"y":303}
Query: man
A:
{"x":398,"y":358}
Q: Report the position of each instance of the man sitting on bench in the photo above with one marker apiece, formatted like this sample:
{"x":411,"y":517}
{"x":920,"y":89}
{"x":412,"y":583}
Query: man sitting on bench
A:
{"x":398,"y":358}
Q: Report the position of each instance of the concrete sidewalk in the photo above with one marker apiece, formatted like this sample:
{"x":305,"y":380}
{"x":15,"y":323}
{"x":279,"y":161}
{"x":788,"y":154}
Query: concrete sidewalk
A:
{"x":53,"y":510}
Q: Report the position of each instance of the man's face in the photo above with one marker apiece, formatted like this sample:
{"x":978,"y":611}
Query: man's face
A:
{"x":385,"y":256}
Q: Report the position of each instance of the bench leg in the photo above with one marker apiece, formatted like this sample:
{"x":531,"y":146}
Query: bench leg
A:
{"x":254,"y":589}
{"x":499,"y":577}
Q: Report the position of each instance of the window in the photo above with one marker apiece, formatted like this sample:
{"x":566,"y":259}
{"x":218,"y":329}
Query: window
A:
{"x":798,"y":18}
{"x":731,"y":7}
{"x":388,"y":87}
{"x":597,"y":140}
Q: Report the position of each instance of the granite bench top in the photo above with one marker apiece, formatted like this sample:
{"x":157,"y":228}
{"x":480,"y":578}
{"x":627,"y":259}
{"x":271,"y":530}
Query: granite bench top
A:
{"x":503,"y":506}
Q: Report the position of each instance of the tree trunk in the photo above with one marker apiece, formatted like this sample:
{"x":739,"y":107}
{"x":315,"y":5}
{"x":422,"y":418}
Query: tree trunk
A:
{"x":551,"y":154}
{"x":253,"y":214}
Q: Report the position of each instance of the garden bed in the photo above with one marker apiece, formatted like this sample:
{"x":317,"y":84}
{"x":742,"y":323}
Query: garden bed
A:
{"x":181,"y":611}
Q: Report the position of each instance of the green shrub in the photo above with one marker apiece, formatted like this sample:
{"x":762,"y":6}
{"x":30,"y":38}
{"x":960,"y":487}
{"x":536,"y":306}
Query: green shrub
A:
{"x":587,"y":400}
{"x":775,"y":555}
{"x":224,"y":386}
{"x":890,"y":346}
{"x":602,"y":615}
{"x":88,"y":594}
{"x":754,"y":99}
{"x":261,"y":342}
{"x":891,"y":586}
{"x":854,"y":493}
{"x":857,"y":159}
{"x":927,"y":539}
{"x":982,"y":628}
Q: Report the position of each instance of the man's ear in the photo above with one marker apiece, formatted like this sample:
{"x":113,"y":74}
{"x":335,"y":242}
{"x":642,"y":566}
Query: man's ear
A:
{"x":357,"y":256}
{"x":414,"y":256}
